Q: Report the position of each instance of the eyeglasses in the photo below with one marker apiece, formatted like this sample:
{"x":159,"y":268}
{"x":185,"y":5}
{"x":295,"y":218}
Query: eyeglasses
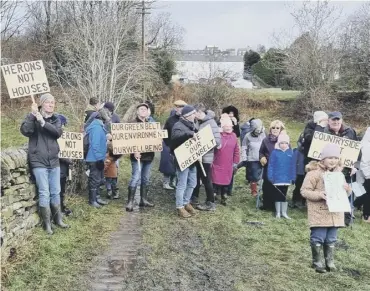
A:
{"x":275,"y":127}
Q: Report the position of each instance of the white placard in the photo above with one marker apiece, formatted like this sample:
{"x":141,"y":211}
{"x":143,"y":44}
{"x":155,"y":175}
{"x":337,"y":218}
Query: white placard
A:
{"x":336,"y":195}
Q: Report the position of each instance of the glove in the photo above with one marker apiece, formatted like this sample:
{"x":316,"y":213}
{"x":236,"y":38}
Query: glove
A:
{"x":263,"y":161}
{"x":100,"y":165}
{"x":235,"y":168}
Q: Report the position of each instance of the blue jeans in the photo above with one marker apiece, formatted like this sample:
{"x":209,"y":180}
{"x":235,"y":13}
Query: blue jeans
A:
{"x":186,"y":182}
{"x":48,"y":185}
{"x":111,"y":183}
{"x":323,"y":235}
{"x":143,"y":175}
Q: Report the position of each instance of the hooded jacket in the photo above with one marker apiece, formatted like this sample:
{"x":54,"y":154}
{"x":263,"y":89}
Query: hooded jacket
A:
{"x":209,"y":120}
{"x":365,"y":151}
{"x":43,"y":148}
{"x":281,"y":169}
{"x":317,"y":209}
{"x":97,"y":141}
{"x":251,"y":143}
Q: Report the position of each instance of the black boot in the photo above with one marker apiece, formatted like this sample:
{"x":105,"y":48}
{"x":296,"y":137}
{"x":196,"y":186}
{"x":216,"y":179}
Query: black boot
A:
{"x":99,"y":200}
{"x":329,"y":257}
{"x":92,"y":199}
{"x":64,"y":209}
{"x":130,"y":200}
{"x":57,"y":216}
{"x":115,"y":193}
{"x":317,"y":259}
{"x":223,"y":199}
{"x":45,"y":217}
{"x":143,"y":197}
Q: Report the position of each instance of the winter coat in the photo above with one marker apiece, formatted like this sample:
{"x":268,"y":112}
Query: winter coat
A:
{"x":236,"y":128}
{"x":225,"y":158}
{"x":167,"y":163}
{"x":209,"y":120}
{"x":281,"y":167}
{"x":145,"y":157}
{"x":317,"y":209}
{"x":181,"y":132}
{"x":170,"y":122}
{"x":251,"y":144}
{"x":298,"y":157}
{"x":64,"y":167}
{"x":43,"y":148}
{"x":308,"y":133}
{"x":88,"y":111}
{"x":110,"y":167}
{"x":115,"y":118}
{"x":267,"y":146}
{"x":97,"y":141}
{"x":244,"y":129}
{"x":365,"y":151}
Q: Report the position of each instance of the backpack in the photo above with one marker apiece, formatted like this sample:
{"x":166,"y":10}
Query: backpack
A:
{"x":86,"y":144}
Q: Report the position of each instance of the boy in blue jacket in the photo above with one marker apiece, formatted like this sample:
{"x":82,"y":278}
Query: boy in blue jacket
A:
{"x":281,"y":172}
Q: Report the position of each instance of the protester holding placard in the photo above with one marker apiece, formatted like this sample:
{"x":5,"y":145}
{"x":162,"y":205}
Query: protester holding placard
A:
{"x":205,"y":118}
{"x":281,"y":173}
{"x":226,"y":158}
{"x":267,"y":146}
{"x":95,"y":157}
{"x":64,"y":173}
{"x":141,"y":164}
{"x":182,"y":131}
{"x":43,"y":127}
{"x":324,"y":224}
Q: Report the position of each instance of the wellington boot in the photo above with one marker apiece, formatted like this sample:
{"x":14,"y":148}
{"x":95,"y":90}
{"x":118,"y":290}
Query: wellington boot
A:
{"x":45,"y":216}
{"x":130,"y":199}
{"x":254,"y":190}
{"x":57,"y":216}
{"x":317,"y":258}
{"x":143,"y":197}
{"x":329,"y":257}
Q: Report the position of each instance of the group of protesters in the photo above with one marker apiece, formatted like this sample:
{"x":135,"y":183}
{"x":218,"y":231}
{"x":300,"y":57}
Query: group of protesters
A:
{"x":267,"y":155}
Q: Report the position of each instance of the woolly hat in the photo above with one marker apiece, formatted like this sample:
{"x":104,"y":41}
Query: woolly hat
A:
{"x":330,"y":150}
{"x":282,"y":138}
{"x":63,"y":119}
{"x":319,"y":115}
{"x":46,"y":97}
{"x":109,"y":106}
{"x":225,"y":120}
{"x":187,"y":110}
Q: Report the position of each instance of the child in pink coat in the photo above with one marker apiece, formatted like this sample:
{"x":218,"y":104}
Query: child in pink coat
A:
{"x":226,"y":158}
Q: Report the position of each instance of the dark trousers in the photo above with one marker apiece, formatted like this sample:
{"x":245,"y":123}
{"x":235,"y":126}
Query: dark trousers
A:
{"x":207,"y":182}
{"x":281,"y":192}
{"x":297,"y":197}
{"x":221,"y":189}
{"x":268,"y":192}
{"x":364,"y":200}
{"x":63,"y":182}
{"x":230,"y":186}
{"x":95,"y":177}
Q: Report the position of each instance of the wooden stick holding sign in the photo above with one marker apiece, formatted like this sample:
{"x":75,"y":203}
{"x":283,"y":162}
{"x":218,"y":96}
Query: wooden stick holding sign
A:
{"x":201,"y":166}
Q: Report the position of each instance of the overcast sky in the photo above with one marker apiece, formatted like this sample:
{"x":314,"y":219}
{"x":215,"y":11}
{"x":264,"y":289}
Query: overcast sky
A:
{"x":230,"y":24}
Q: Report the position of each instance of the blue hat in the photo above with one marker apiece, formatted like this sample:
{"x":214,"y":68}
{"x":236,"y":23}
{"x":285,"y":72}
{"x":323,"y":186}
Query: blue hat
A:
{"x":187,"y":110}
{"x":63,"y":119}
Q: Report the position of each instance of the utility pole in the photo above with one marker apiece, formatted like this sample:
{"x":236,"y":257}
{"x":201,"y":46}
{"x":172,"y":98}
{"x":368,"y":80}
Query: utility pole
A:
{"x":143,"y":11}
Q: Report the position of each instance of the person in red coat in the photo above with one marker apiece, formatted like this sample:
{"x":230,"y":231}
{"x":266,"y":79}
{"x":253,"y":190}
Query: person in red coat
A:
{"x":226,"y":159}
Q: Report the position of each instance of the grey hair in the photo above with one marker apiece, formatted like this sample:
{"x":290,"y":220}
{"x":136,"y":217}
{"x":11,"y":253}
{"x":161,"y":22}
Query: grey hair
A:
{"x":200,"y":107}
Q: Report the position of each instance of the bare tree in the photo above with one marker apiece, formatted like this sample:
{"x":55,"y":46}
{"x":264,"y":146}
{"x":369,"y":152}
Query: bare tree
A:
{"x":312,"y":60}
{"x":12,"y":18}
{"x":356,"y":44}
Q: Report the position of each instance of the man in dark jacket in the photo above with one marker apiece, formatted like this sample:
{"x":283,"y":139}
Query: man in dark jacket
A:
{"x":43,"y":128}
{"x":95,"y":156}
{"x":183,"y":130}
{"x":140,"y":172}
{"x":170,"y":122}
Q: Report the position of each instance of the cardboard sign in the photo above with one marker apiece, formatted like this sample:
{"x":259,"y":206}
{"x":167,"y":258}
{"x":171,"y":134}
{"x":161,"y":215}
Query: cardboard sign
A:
{"x":25,"y":79}
{"x":336,"y":195}
{"x":350,"y":149}
{"x":142,"y":137}
{"x":195,"y":148}
{"x":71,"y":146}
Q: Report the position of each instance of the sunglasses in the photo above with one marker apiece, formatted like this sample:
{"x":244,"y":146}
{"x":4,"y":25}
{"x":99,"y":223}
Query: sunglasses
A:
{"x":275,"y":127}
{"x":179,"y":106}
